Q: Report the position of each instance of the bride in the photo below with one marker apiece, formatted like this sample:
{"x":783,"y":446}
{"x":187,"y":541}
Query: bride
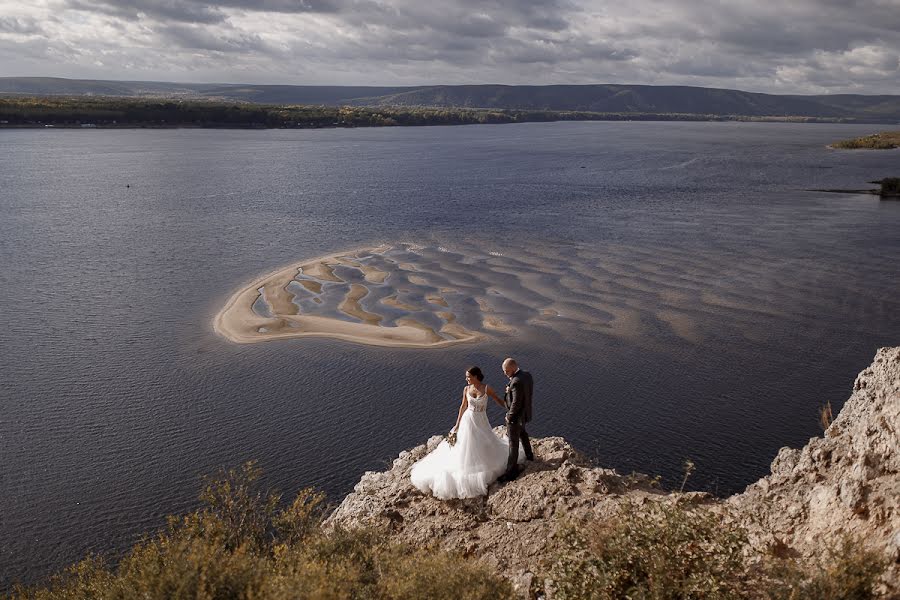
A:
{"x":466,"y":468}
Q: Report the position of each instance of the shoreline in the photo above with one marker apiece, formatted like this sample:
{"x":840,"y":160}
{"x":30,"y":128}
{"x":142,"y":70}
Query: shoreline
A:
{"x":599,"y":118}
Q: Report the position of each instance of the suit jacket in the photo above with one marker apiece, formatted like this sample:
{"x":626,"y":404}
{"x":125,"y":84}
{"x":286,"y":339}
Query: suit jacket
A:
{"x":518,"y":397}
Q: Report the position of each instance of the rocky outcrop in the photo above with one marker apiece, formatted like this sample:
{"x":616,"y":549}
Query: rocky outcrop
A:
{"x":511,"y":526}
{"x":847,"y":482}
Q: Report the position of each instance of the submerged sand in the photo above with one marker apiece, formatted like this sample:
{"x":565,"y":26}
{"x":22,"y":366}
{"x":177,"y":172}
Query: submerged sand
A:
{"x":241,"y":322}
{"x":407,"y":295}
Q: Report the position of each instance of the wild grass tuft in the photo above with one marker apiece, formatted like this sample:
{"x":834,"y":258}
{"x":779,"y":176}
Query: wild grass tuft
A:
{"x":242,"y":545}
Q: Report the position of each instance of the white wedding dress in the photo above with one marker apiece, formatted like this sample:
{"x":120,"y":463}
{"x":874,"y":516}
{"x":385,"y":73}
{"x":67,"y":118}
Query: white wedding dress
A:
{"x":467,"y":468}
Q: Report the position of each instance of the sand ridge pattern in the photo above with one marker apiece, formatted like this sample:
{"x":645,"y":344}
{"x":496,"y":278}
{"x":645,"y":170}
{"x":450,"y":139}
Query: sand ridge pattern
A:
{"x":369,"y":296}
{"x":413,"y":295}
{"x":401,"y":295}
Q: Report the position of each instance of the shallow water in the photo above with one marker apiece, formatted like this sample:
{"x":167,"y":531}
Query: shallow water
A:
{"x":698,"y":304}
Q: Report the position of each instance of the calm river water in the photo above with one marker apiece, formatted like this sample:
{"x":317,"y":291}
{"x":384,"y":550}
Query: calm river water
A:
{"x":729,"y":304}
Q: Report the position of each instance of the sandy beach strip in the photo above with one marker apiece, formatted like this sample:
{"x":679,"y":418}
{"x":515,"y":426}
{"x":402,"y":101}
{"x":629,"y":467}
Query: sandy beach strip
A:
{"x":350,"y":305}
{"x":427,"y":331}
{"x":373,"y":274}
{"x":319,"y":269}
{"x":277,"y":296}
{"x":394,"y":302}
{"x":313,"y":286}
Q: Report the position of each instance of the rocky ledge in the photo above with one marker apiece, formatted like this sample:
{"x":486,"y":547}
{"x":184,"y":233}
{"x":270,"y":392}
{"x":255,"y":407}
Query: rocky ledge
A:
{"x":847,"y":482}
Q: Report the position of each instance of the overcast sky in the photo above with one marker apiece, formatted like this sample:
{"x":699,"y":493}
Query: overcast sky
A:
{"x":788,"y":46}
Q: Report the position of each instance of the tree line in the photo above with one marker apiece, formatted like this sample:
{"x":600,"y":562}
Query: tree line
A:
{"x":16,"y":111}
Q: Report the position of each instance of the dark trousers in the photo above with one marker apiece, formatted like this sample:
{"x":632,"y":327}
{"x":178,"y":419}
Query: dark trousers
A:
{"x":517,"y":433}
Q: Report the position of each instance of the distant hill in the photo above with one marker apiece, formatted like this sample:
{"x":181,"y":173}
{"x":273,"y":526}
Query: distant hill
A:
{"x":643,"y":99}
{"x":259,"y":94}
{"x":603,"y":98}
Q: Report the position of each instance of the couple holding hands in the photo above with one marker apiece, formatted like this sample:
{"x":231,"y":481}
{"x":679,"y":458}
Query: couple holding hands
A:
{"x":473,"y":456}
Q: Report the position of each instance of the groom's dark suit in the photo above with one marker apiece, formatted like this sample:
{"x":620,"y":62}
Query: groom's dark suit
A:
{"x":518,"y":412}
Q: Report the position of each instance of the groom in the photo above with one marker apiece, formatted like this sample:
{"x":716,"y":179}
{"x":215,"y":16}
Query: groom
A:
{"x":518,"y":412}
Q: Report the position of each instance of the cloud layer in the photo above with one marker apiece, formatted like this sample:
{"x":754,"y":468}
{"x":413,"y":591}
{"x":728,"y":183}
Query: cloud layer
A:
{"x":802,"y":46}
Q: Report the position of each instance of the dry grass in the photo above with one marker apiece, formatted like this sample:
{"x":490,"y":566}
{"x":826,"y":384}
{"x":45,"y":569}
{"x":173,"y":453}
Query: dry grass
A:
{"x":826,"y":416}
{"x":663,"y":552}
{"x":242,"y":546}
{"x":886,"y":140}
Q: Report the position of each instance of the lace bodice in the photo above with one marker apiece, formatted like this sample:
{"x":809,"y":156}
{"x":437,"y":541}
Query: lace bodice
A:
{"x":477,"y":403}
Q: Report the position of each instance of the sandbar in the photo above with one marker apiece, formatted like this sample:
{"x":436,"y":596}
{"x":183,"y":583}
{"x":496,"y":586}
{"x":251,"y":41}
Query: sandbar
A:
{"x":394,"y":302}
{"x":313,"y":286}
{"x":374,"y":274}
{"x":435,"y":299}
{"x":238,"y":322}
{"x":320,"y":270}
{"x":351,"y":306}
{"x":497,"y":324}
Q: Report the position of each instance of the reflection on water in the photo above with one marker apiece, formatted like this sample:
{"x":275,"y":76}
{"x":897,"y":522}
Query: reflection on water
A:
{"x":679,"y":296}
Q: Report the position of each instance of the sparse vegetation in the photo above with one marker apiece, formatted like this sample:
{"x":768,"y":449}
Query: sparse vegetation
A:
{"x":825,"y":415}
{"x":847,"y":571}
{"x":664,"y":552}
{"x":241,"y":545}
{"x":886,"y":140}
{"x":688,"y":467}
{"x":244,"y":544}
{"x":654,"y":551}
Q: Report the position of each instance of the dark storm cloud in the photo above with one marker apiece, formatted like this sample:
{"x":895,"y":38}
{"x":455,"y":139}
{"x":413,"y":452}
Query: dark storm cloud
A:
{"x":162,"y":10}
{"x":23,"y":26}
{"x":793,"y":46}
{"x":799,"y":27}
{"x":198,"y":11}
{"x":201,"y":38}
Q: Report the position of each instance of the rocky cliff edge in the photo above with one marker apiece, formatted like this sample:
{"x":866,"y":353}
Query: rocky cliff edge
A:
{"x":847,"y":482}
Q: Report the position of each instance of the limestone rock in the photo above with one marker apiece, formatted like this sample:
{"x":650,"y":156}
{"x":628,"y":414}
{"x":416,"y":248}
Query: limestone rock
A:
{"x":510,"y":528}
{"x":847,"y":482}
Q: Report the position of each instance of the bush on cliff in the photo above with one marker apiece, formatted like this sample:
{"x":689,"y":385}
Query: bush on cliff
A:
{"x":654,"y":551}
{"x":241,"y":545}
{"x":664,"y":552}
{"x":847,"y":571}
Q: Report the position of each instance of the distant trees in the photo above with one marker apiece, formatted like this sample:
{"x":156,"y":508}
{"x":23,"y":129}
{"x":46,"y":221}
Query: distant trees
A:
{"x":195,"y":113}
{"x":167,"y":112}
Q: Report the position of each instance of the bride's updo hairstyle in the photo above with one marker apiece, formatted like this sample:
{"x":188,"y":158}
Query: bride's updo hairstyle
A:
{"x":476,"y":373}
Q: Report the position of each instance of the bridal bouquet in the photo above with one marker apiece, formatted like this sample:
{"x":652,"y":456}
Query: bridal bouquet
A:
{"x":451,"y":438}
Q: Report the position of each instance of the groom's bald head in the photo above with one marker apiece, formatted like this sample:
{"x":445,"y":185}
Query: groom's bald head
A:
{"x":510,"y":366}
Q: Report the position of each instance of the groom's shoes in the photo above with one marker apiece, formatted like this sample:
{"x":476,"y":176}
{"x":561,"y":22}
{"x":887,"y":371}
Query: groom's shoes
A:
{"x":507,"y":477}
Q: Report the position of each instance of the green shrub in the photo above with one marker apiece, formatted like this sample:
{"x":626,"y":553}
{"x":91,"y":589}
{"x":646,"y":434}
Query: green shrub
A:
{"x":890,"y":186}
{"x":848,"y":571}
{"x":653,"y":552}
{"x":885,"y":140}
{"x":240,"y":546}
{"x":663,"y":552}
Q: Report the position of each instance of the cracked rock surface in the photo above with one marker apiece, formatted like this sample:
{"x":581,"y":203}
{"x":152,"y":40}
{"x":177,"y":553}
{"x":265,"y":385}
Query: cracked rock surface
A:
{"x":847,"y":482}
